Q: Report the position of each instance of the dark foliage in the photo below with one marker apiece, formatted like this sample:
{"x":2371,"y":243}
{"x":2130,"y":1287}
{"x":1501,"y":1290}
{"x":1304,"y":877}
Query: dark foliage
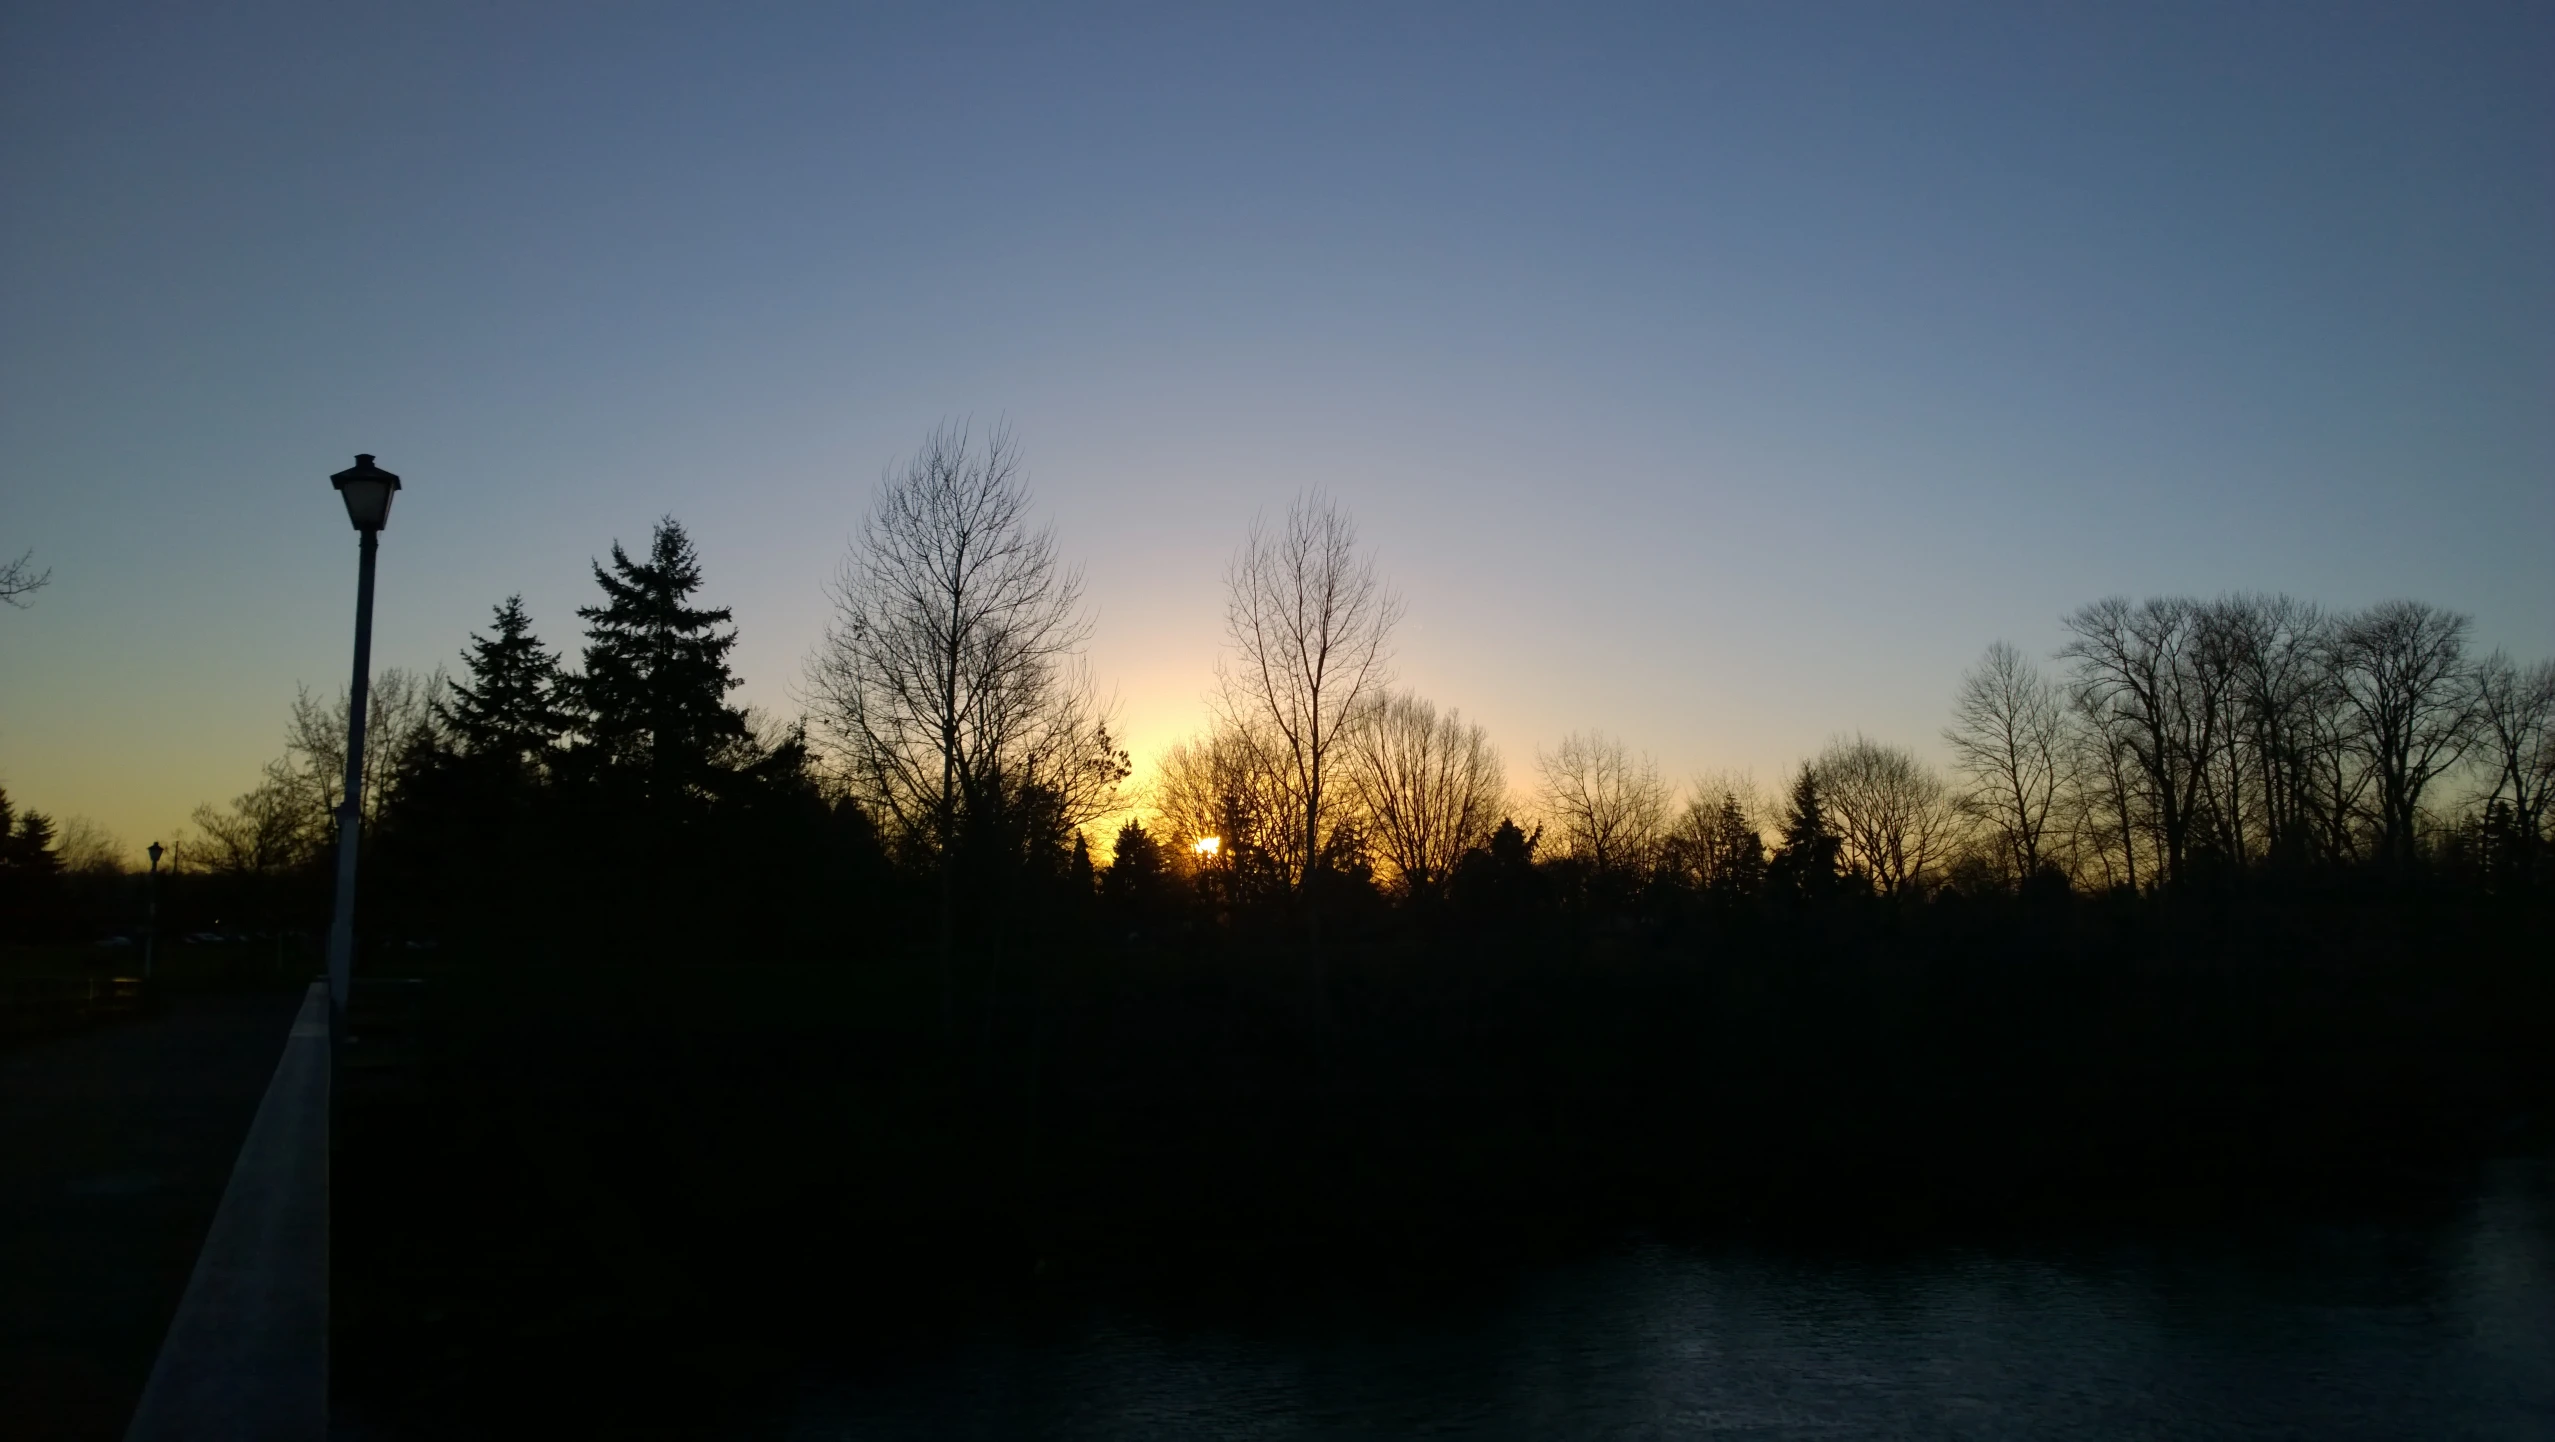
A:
{"x":651,"y":703}
{"x":34,"y":902}
{"x":508,"y":713}
{"x":1804,"y":867}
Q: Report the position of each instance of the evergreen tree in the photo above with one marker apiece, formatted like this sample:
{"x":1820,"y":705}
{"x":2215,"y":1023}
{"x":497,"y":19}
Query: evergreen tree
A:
{"x":1138,"y":872}
{"x":508,"y":710}
{"x":26,"y":841}
{"x":30,"y":875}
{"x":1497,"y":880}
{"x":1805,"y":865}
{"x":1083,"y":878}
{"x":653,"y":699}
{"x":1741,"y":870}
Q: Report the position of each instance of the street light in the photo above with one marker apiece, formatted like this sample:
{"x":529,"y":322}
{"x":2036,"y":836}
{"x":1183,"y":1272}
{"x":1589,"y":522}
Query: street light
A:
{"x":366,"y":489}
{"x":151,"y":913}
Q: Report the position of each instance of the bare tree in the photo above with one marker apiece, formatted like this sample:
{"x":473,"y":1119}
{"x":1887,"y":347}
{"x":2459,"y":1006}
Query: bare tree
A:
{"x":1310,"y":625}
{"x":1892,"y":811}
{"x":1431,"y":788}
{"x":2153,"y":682}
{"x":1717,"y":842}
{"x":88,"y":849}
{"x":1607,"y":807}
{"x":2516,"y":712}
{"x":19,"y":580}
{"x":2102,"y":815}
{"x":1226,"y":806}
{"x":2284,"y":715}
{"x":266,"y":830}
{"x":948,"y":690}
{"x":2404,"y":678}
{"x":2229,"y":818}
{"x":2008,"y":742}
{"x":399,"y":712}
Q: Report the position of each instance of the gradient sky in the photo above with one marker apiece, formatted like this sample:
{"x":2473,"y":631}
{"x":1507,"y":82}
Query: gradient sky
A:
{"x":1723,"y":377}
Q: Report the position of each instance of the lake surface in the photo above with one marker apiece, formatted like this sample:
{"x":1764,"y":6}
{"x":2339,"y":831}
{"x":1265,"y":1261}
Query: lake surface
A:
{"x":2440,"y":1329}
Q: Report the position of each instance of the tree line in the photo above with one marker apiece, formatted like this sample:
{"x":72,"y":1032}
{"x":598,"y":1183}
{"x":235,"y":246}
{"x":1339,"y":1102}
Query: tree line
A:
{"x":943,"y":784}
{"x":2173,"y":743}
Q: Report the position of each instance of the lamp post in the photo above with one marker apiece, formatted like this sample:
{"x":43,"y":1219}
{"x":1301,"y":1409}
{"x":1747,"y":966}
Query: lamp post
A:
{"x":151,"y":913}
{"x":366,"y":489}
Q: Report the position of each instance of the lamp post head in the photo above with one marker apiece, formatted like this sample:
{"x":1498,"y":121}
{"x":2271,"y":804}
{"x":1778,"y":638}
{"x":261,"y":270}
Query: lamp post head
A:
{"x":155,"y":856}
{"x":367,"y":489}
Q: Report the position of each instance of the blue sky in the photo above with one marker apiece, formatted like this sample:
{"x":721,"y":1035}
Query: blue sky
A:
{"x":1720,"y":377}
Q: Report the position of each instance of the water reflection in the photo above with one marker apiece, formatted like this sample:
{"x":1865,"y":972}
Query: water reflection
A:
{"x":2380,"y":1331}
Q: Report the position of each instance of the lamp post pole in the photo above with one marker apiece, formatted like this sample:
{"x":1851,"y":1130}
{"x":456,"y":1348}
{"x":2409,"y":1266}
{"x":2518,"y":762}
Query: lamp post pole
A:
{"x":367,"y":490}
{"x":151,"y":914}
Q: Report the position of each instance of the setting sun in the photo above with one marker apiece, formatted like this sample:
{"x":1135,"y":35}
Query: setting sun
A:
{"x":1207,"y":845}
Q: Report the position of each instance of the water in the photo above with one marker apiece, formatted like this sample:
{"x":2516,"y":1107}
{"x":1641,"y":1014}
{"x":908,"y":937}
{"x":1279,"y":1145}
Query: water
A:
{"x":2438,"y":1330}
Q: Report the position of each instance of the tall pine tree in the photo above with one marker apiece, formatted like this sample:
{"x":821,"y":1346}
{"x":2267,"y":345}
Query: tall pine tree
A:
{"x":508,"y":711}
{"x":1804,"y":867}
{"x":653,"y":699}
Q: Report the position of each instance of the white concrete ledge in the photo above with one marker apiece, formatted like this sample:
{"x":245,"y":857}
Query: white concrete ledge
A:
{"x":247,"y":1354}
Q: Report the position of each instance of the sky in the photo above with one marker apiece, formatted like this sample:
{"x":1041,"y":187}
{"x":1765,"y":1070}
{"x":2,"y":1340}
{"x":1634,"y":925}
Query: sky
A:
{"x":1722,"y":378}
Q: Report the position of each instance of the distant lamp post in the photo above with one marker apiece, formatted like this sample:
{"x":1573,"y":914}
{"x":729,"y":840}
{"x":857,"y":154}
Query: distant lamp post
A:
{"x":366,"y":489}
{"x":151,"y":913}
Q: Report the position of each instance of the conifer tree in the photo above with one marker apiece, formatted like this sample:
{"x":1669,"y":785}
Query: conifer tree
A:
{"x":508,"y":710}
{"x":1805,"y":865}
{"x":653,"y":698}
{"x":26,"y":841}
{"x":1741,"y":870}
{"x":1138,"y":874}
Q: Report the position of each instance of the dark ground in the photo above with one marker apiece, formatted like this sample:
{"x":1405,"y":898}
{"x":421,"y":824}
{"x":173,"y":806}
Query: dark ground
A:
{"x":625,"y":1198}
{"x":115,"y":1145}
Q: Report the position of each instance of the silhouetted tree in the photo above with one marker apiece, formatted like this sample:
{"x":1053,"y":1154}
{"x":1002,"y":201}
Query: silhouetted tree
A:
{"x":32,"y":898}
{"x":1309,"y":624}
{"x":399,"y":714}
{"x":86,"y":848}
{"x":1716,"y":846}
{"x":2287,"y":723}
{"x":1428,"y":787}
{"x":2103,"y":815}
{"x":1139,"y":884}
{"x":651,"y":704}
{"x":2157,"y":678}
{"x":260,"y":856}
{"x":2515,"y":711}
{"x":469,"y":833}
{"x":949,"y":686}
{"x":1805,"y":862}
{"x":26,"y":841}
{"x":507,"y":710}
{"x":1497,"y":881}
{"x":1889,"y":809}
{"x":19,"y":579}
{"x":1607,"y":806}
{"x":266,"y":830}
{"x":2404,"y":677}
{"x":1224,"y":799}
{"x":2008,"y":737}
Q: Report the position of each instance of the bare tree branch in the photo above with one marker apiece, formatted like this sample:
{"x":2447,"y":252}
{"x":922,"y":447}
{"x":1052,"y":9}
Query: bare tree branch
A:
{"x":2006,"y":736}
{"x":2516,"y":711}
{"x":1607,"y":806}
{"x":19,"y":580}
{"x":1310,"y":625}
{"x":1891,"y":809}
{"x":2404,"y":677}
{"x":949,"y":692}
{"x":1430,"y":786}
